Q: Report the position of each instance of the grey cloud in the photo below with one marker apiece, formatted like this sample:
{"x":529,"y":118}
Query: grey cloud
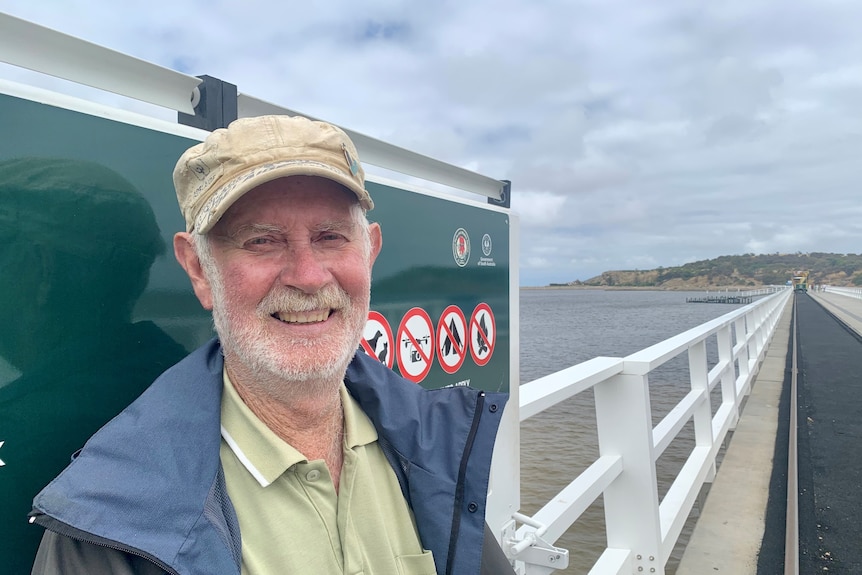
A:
{"x":635,"y":133}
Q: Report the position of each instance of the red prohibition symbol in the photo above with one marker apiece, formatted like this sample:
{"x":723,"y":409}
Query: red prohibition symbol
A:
{"x":377,"y":339}
{"x":452,"y":339}
{"x":483,"y":334}
{"x":415,"y":340}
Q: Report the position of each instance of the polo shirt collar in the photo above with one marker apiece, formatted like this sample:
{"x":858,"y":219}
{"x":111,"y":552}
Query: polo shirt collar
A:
{"x":265,"y":455}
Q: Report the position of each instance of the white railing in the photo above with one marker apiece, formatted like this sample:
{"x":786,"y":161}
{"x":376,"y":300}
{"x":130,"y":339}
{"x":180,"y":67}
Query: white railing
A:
{"x":846,"y":291}
{"x":641,"y":528}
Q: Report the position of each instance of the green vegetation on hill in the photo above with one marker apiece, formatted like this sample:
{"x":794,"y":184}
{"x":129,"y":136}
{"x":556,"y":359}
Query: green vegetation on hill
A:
{"x":747,"y":270}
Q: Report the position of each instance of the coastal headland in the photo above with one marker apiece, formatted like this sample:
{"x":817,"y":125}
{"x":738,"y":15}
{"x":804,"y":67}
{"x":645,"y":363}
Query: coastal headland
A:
{"x":740,"y":272}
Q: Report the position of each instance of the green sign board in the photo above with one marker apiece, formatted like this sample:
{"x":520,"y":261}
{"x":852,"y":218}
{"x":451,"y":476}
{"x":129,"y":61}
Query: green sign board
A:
{"x":94,"y":307}
{"x":442,"y":283}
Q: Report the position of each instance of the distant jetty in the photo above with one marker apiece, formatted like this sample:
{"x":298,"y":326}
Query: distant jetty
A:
{"x":720,"y":299}
{"x":739,"y":297}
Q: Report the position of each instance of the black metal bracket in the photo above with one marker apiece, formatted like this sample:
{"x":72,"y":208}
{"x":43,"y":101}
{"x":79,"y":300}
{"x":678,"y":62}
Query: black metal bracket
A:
{"x":505,"y":200}
{"x":216,"y":108}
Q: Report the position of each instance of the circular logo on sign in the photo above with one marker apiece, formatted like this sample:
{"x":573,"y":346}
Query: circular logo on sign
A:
{"x":486,"y":245}
{"x":461,"y":247}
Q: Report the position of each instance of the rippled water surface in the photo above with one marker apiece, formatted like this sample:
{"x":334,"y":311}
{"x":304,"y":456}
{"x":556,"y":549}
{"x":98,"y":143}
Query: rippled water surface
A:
{"x":560,"y":328}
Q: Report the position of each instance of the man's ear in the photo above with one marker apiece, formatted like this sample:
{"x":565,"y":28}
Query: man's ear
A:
{"x":376,"y":241}
{"x":184,"y":251}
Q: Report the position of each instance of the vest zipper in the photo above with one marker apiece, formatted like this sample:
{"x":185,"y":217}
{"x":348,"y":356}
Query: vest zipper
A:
{"x":67,"y":530}
{"x":459,"y":489}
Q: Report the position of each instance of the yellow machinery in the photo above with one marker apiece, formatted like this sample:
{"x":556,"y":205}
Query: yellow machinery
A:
{"x":800,"y":281}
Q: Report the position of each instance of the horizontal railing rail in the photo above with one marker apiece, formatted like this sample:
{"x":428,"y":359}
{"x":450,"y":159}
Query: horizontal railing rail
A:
{"x":82,"y":62}
{"x":846,"y":291}
{"x":641,"y":527}
{"x":765,"y":290}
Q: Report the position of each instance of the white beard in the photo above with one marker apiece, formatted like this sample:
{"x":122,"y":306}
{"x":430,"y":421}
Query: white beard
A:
{"x":277,"y":365}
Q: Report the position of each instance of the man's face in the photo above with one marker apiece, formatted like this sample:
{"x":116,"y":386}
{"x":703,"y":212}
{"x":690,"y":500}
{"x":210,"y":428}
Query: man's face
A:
{"x":292,"y":280}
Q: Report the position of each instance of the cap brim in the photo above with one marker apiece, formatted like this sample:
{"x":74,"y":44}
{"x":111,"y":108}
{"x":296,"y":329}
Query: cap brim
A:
{"x":226,"y":195}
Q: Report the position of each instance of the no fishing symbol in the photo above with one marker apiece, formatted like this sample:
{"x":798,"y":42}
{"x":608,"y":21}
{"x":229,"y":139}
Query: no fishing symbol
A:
{"x":483,"y":334}
{"x":451,"y":339}
{"x":415,"y":344}
{"x":377,"y":339}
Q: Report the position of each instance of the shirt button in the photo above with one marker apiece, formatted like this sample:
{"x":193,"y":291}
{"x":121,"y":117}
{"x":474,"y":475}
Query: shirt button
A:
{"x":312,"y":475}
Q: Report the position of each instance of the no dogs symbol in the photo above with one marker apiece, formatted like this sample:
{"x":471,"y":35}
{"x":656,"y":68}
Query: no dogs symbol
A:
{"x":377,"y":339}
{"x":452,"y":339}
{"x":483,"y":334}
{"x":415,"y":344}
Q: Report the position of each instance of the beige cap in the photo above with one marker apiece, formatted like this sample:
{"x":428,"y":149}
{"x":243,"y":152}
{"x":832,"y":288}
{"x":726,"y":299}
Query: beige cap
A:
{"x":209,"y":177}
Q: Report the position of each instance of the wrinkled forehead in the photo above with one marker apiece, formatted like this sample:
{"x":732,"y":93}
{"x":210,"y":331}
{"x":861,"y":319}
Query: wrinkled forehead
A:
{"x":293,"y":199}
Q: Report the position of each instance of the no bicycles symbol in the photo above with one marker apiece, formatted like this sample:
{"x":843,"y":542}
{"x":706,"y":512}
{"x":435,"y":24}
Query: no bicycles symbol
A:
{"x":451,"y":339}
{"x":377,"y":339}
{"x":415,"y":340}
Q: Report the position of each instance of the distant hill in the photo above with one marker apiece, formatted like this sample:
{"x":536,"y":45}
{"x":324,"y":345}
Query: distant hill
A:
{"x":747,"y":270}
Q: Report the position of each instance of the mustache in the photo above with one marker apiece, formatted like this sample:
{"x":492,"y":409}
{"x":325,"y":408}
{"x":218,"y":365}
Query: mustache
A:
{"x":293,"y":300}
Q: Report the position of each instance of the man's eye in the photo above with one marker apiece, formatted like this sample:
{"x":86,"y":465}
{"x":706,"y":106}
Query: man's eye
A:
{"x":329,"y":237}
{"x":259,"y":241}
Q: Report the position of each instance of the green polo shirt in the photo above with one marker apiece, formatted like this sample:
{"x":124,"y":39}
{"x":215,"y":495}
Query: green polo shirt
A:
{"x":290,"y":516}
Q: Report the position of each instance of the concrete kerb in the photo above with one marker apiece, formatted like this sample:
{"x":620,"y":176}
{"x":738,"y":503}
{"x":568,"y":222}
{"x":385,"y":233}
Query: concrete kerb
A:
{"x":729,"y":531}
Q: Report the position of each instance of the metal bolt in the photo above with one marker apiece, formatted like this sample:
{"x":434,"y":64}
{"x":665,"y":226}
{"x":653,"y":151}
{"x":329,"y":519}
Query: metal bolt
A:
{"x":651,"y":558}
{"x":640,"y":557}
{"x":640,"y":568}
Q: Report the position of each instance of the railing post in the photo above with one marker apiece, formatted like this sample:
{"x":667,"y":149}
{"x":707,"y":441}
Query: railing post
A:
{"x":751,"y":345}
{"x":624,"y":422}
{"x":698,"y":371}
{"x":728,"y":376}
{"x":765,"y":330}
{"x":742,"y":360}
{"x":757,"y":335}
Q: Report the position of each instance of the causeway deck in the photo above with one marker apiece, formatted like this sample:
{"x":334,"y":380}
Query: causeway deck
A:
{"x":741,"y":526}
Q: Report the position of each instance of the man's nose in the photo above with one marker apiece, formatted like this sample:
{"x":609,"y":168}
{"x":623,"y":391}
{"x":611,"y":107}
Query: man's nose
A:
{"x":304,"y":269}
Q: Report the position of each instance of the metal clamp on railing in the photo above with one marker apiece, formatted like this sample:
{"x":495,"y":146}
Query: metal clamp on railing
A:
{"x":537,"y":555}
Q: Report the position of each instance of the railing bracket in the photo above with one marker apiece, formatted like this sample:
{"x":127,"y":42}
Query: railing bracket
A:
{"x":537,"y":555}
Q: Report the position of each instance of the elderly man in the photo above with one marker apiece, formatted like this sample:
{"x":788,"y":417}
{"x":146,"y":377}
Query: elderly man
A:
{"x":277,"y":448}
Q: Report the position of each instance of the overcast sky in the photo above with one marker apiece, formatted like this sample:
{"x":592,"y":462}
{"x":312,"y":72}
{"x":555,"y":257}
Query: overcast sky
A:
{"x":636,"y":133}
